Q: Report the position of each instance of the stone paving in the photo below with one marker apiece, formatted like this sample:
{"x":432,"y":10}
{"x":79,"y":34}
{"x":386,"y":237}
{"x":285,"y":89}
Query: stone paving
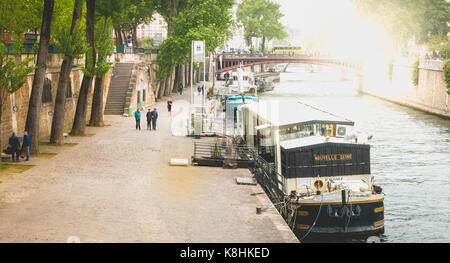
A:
{"x":117,"y":186}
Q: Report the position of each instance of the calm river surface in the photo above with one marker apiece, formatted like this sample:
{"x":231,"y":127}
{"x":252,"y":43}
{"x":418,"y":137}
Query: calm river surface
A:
{"x":410,"y":151}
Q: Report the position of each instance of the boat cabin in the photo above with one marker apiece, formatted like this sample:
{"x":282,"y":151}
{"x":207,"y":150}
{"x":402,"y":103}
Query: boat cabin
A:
{"x":303,"y":143}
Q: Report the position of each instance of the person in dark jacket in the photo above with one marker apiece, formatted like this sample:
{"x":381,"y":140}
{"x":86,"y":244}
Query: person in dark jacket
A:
{"x":26,"y":144}
{"x":155,"y":118}
{"x":169,"y":106}
{"x":15,"y":144}
{"x":137,"y":116}
{"x":149,"y":119}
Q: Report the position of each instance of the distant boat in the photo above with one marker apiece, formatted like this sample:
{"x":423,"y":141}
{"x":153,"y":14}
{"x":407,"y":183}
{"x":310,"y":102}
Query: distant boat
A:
{"x":264,"y":85}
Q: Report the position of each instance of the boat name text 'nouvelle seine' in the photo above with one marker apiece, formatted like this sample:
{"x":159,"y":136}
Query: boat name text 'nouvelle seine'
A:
{"x":333,"y":157}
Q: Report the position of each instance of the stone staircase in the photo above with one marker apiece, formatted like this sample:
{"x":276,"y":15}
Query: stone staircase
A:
{"x":120,"y":81}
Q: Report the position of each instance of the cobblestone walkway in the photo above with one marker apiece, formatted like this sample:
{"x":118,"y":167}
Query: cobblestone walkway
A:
{"x":117,"y":186}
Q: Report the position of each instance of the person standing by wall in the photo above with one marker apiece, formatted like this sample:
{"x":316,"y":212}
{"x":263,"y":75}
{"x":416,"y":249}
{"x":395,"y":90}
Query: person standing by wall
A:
{"x":155,"y":118}
{"x":199,"y":89}
{"x":137,"y":116}
{"x":26,"y":144}
{"x":149,"y":119}
{"x":15,"y":144}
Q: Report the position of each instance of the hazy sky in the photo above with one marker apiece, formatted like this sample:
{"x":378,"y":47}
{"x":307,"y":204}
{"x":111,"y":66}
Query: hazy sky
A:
{"x":308,"y":15}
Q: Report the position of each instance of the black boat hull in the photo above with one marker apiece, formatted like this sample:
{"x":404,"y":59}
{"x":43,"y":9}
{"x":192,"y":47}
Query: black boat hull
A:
{"x":334,"y":220}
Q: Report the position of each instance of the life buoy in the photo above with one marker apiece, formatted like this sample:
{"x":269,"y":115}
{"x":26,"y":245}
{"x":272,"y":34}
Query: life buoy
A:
{"x":318,"y":184}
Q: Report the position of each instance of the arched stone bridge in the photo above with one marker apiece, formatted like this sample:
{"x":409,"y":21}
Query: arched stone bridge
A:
{"x":227,"y":62}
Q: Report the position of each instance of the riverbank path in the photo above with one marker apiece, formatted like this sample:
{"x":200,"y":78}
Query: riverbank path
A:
{"x":118,"y":186}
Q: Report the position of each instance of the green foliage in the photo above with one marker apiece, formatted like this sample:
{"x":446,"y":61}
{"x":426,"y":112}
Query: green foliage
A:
{"x":446,"y":70}
{"x":13,"y":73}
{"x":87,"y":68}
{"x":103,"y":46}
{"x":407,"y":19}
{"x":260,"y":18}
{"x":129,"y":14}
{"x":208,"y":20}
{"x":70,"y":45}
{"x":147,"y":42}
{"x":415,"y":72}
{"x":18,"y":16}
{"x":441,"y":44}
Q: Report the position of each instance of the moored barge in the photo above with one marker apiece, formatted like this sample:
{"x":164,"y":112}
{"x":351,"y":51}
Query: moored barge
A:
{"x":322,"y":169}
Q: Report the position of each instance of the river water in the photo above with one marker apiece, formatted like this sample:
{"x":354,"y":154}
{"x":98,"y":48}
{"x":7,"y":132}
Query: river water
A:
{"x":410,"y":151}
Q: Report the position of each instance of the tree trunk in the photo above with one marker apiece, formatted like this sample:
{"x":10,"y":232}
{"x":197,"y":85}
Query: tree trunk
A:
{"x":34,"y":106}
{"x":188,"y":75}
{"x":162,"y":88}
{"x":97,"y":103}
{"x":124,"y":36}
{"x":134,"y":37}
{"x":166,"y":86}
{"x":97,"y":100}
{"x":171,"y":82}
{"x":183,"y":74}
{"x":263,"y":45}
{"x":79,"y":123}
{"x":57,"y":132}
{"x":1,"y":113}
{"x":176,"y":79}
{"x":119,"y":40}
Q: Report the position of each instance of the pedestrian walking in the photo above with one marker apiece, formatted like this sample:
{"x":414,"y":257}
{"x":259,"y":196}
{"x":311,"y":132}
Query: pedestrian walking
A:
{"x":149,"y":119}
{"x":137,"y":116}
{"x":26,"y":144}
{"x":155,"y":118}
{"x":203,"y":90}
{"x":180,"y":88}
{"x":14,"y":147}
{"x":199,"y":89}
{"x":169,"y":106}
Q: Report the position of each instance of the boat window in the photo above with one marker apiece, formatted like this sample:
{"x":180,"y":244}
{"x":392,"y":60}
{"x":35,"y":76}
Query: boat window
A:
{"x":327,"y":130}
{"x":296,"y":131}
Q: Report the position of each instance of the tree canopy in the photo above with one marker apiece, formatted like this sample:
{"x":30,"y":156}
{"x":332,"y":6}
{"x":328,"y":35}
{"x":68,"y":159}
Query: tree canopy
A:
{"x":403,"y":20}
{"x":208,"y":20}
{"x":260,"y":19}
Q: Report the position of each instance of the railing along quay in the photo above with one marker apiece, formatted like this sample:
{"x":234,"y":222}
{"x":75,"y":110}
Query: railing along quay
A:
{"x":215,"y":154}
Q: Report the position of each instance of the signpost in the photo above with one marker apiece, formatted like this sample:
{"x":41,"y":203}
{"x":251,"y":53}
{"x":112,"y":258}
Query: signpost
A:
{"x":198,"y":56}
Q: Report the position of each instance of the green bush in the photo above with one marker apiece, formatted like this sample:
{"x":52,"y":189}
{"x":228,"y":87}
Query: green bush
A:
{"x":415,"y":72}
{"x":446,"y":70}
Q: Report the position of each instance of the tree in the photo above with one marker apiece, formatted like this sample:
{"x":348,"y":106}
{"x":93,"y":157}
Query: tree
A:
{"x":14,"y":21}
{"x":104,"y":47}
{"x":33,"y":116}
{"x":13,"y":75}
{"x":208,"y":20}
{"x":404,"y":20}
{"x":446,"y":70}
{"x":79,"y":123}
{"x":261,"y":19}
{"x":132,"y":14}
{"x":70,"y":41}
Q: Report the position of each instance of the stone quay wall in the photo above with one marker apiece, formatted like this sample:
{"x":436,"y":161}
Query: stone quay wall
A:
{"x":15,"y":108}
{"x":430,"y":95}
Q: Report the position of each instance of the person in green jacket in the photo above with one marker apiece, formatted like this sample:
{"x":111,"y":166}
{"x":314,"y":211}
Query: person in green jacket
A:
{"x":137,"y":116}
{"x":180,"y":88}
